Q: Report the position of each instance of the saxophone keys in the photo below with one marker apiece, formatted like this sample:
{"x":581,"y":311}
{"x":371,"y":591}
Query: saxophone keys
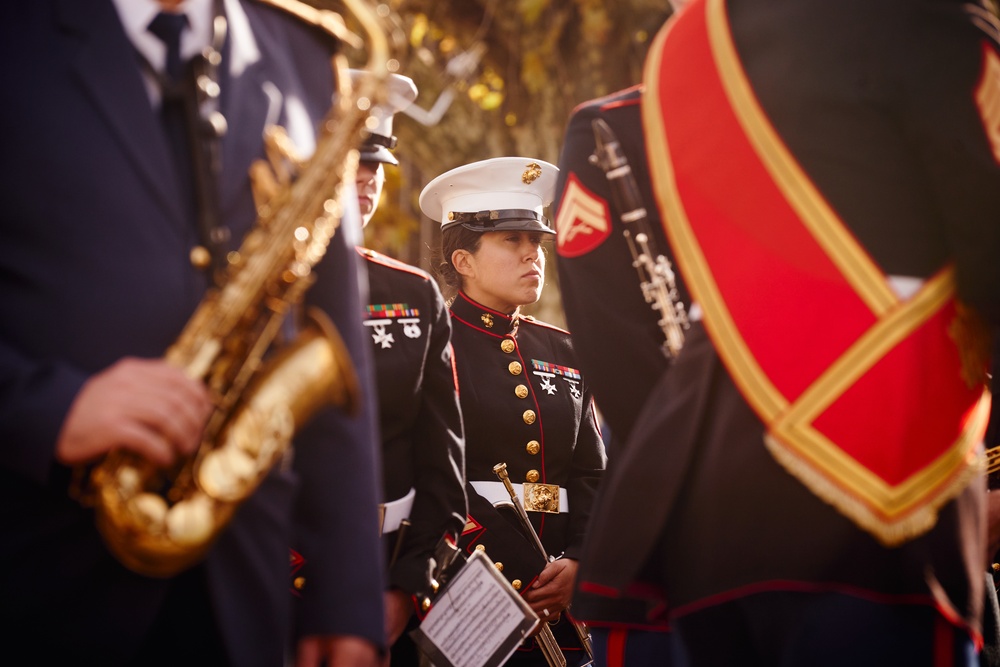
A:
{"x":208,"y":86}
{"x":226,"y":474}
{"x":129,"y":480}
{"x":148,"y":511}
{"x":191,"y":521}
{"x":200,"y":257}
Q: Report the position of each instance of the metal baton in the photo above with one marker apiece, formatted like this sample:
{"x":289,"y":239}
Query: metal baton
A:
{"x":582,"y":633}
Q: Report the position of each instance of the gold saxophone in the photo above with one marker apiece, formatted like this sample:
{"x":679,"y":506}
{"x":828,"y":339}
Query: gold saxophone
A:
{"x":158,"y":522}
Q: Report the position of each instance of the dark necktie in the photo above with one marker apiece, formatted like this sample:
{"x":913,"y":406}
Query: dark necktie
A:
{"x":168,"y":27}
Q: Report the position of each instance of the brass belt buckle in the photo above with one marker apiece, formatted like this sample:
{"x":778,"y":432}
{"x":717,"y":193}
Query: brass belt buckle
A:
{"x":541,"y":498}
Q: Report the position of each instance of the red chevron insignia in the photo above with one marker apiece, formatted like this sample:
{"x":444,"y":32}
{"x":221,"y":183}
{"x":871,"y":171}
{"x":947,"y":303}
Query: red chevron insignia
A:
{"x":583,"y":221}
{"x":471,"y":526}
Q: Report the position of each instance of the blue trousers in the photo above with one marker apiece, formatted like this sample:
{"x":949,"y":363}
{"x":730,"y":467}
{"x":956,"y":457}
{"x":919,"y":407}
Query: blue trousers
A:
{"x":636,"y":648}
{"x":793,"y":629}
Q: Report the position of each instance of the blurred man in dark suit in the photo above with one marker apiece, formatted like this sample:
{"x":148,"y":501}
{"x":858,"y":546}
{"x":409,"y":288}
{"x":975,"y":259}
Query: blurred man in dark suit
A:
{"x":105,"y":257}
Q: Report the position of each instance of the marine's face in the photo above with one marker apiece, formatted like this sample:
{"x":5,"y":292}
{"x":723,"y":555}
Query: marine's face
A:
{"x":369,"y":181}
{"x":507,"y":271}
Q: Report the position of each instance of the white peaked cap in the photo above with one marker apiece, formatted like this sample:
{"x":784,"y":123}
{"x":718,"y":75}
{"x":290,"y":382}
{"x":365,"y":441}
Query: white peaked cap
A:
{"x":400,"y":94}
{"x":500,"y":194}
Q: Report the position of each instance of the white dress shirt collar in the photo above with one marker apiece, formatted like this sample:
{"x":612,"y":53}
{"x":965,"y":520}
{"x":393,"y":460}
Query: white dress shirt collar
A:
{"x":136,"y":16}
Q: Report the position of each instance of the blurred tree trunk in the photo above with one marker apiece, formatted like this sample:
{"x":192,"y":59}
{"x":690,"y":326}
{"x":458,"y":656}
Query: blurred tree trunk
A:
{"x":541,"y":59}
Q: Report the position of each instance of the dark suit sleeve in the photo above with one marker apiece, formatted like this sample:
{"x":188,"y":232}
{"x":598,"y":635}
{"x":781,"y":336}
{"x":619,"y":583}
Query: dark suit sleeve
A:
{"x":439,"y":458}
{"x":34,"y":399}
{"x":337,"y":460}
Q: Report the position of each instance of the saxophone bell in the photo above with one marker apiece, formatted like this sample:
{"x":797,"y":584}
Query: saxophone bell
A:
{"x":158,"y":523}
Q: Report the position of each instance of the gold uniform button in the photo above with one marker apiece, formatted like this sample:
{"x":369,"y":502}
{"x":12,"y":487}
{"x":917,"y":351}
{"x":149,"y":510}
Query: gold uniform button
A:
{"x":426,"y":604}
{"x":521,"y":391}
{"x":507,"y":345}
{"x":499,"y":566}
{"x":516,"y":584}
{"x":529,"y":417}
{"x":532,"y":476}
{"x":514,"y":367}
{"x":480,"y":547}
{"x":299,"y":583}
{"x":533,"y":447}
{"x":200,"y":257}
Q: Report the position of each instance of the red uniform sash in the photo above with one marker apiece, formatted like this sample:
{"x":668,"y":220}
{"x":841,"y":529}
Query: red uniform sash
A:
{"x":860,"y":391}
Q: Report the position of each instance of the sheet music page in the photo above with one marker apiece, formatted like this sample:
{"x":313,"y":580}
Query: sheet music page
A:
{"x":477,"y":621}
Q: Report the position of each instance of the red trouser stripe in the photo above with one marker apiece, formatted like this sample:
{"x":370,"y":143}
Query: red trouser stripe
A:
{"x":616,"y":647}
{"x":944,"y":642}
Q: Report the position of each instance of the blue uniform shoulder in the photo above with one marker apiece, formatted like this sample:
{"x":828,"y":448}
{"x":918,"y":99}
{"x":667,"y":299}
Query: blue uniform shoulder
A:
{"x":626,"y":97}
{"x":528,"y":319}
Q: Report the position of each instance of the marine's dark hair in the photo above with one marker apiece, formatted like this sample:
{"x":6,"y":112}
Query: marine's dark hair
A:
{"x":452,"y":239}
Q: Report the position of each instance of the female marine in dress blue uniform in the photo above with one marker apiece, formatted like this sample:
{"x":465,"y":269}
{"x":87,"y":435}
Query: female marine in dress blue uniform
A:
{"x":523,"y":399}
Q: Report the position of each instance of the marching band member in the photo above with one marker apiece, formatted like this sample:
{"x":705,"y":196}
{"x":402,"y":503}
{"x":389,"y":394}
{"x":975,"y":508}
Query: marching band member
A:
{"x":104,"y":259}
{"x":524,"y":401}
{"x":421,"y":424}
{"x":604,"y":299}
{"x":810,"y":464}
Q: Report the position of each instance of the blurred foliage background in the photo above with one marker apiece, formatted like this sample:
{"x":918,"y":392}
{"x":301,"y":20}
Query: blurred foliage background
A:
{"x":507,"y":73}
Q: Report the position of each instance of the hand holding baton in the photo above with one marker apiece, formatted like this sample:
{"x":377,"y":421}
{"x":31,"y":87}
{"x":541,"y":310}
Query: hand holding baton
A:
{"x":583,"y":634}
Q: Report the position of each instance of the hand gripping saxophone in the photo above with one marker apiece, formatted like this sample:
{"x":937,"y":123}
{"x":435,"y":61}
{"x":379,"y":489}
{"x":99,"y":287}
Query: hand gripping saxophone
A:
{"x":157,"y":522}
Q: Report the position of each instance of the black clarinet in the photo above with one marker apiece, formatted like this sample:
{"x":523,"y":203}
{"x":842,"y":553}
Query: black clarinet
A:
{"x":656,"y":275}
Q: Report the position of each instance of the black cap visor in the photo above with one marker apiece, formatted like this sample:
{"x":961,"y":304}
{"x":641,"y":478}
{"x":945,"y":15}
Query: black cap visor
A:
{"x":500,"y":220}
{"x":370,"y":153}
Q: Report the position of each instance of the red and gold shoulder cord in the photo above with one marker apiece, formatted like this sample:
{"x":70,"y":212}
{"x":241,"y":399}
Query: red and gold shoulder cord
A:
{"x":861,"y":392}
